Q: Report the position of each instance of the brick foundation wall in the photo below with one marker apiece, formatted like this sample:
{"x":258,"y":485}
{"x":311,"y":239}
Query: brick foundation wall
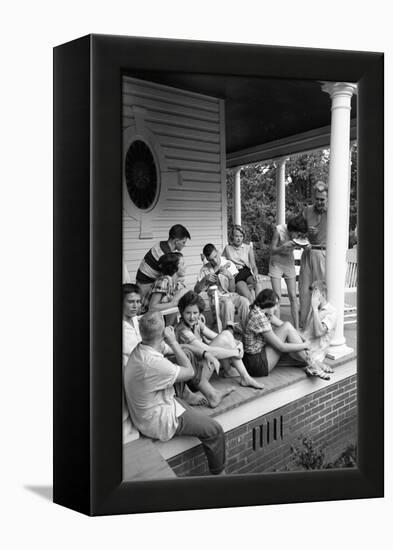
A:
{"x":328,"y":417}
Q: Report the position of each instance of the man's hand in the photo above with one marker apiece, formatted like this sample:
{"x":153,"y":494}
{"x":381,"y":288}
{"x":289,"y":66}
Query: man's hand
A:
{"x":240,"y":350}
{"x":315,"y":299}
{"x":212,"y":362}
{"x":306,"y":344}
{"x":169,"y":336}
{"x":211,"y":278}
{"x":288,"y":246}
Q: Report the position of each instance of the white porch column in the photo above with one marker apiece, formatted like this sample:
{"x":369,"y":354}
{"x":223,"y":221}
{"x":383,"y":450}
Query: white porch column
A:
{"x":338,"y":206}
{"x":237,"y":199}
{"x":280,"y":190}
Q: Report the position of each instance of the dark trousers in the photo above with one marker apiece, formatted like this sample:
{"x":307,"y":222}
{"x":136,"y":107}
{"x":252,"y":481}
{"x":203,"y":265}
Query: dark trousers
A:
{"x":209,"y":431}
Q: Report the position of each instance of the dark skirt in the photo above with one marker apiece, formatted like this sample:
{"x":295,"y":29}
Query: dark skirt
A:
{"x":243,"y":275}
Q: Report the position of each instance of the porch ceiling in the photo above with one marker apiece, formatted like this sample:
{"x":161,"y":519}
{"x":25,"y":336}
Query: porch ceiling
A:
{"x":258,"y":110}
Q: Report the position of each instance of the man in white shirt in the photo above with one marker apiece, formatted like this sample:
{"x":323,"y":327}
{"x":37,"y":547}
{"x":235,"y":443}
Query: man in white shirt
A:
{"x":131,"y":338}
{"x":155,"y":410}
{"x":221,"y":272}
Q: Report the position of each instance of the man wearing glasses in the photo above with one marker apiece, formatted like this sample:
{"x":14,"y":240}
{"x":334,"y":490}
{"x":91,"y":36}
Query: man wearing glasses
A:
{"x":313,"y":260}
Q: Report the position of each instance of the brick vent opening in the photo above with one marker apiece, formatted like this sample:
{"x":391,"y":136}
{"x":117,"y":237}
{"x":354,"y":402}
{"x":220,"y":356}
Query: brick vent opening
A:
{"x":268,"y":432}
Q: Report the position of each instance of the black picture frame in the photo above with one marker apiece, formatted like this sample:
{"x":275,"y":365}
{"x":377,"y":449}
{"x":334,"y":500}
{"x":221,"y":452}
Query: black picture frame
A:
{"x":88,"y":272}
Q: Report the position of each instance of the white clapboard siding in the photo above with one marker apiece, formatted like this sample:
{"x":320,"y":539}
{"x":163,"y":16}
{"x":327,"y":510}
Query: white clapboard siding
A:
{"x":151,"y":90}
{"x":156,"y":107}
{"x":189,"y":130}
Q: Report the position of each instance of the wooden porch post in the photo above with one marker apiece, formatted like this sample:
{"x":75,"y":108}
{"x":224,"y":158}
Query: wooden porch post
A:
{"x":338,"y":206}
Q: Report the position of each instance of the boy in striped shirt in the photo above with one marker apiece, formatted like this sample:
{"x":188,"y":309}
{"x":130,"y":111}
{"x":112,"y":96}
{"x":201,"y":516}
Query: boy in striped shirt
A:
{"x":148,"y":271}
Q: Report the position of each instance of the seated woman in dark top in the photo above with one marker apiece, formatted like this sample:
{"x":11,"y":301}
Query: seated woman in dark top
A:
{"x":266,"y":337}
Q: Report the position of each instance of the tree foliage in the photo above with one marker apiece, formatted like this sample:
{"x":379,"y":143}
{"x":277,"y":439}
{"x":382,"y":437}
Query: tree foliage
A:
{"x":258,"y":199}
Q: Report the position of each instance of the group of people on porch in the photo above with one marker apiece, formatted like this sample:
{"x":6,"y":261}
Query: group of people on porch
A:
{"x":168,"y":363}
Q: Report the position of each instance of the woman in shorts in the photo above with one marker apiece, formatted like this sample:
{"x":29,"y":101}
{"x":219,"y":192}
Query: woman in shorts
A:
{"x":266,"y":338}
{"x":282,"y":261}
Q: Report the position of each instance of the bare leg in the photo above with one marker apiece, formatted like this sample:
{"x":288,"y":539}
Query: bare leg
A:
{"x":272,"y":356}
{"x":226,"y":340}
{"x":193,"y":398}
{"x":213,"y":396}
{"x":258,"y":285}
{"x":288,"y":333}
{"x":243,"y":290}
{"x":276,"y":286}
{"x":291,"y":286}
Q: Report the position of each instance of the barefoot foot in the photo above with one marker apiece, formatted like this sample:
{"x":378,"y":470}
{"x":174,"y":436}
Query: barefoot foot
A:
{"x":248,"y":381}
{"x":196,"y":399}
{"x":215,"y":399}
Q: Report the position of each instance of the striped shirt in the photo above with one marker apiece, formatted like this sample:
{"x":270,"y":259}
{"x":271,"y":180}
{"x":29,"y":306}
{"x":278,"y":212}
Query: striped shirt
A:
{"x":148,"y":270}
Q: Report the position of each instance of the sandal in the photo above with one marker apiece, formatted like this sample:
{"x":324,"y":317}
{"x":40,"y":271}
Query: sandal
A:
{"x":311,"y":371}
{"x":326,"y":368}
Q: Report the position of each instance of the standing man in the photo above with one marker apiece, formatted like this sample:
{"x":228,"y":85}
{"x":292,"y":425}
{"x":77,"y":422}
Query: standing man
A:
{"x":313,"y":260}
{"x":148,"y":271}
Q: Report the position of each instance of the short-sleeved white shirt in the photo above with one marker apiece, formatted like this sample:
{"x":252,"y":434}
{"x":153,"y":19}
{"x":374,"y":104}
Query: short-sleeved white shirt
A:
{"x":130,"y":340}
{"x":320,"y":344}
{"x":223,"y":284}
{"x":148,"y":383}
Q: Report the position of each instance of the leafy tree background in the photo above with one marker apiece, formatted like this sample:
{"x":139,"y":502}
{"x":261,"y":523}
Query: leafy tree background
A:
{"x":258,"y":196}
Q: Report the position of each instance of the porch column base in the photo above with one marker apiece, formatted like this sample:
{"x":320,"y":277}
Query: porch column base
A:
{"x":337,"y":352}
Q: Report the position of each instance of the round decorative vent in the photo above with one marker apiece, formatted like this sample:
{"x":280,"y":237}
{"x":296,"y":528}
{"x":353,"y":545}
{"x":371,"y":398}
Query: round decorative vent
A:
{"x":141,"y":175}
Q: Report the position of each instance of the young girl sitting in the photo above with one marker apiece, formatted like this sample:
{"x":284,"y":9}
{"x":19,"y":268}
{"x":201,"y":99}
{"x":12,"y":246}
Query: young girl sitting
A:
{"x":192,"y":329}
{"x":169,"y":287}
{"x":282,"y":261}
{"x":266,"y":337}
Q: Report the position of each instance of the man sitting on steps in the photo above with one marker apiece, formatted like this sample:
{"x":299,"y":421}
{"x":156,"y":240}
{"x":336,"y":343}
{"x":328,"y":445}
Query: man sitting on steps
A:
{"x":154,"y":409}
{"x":221,"y":272}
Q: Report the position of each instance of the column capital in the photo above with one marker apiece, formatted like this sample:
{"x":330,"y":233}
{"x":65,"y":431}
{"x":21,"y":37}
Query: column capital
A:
{"x":339,"y":88}
{"x":281,"y":160}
